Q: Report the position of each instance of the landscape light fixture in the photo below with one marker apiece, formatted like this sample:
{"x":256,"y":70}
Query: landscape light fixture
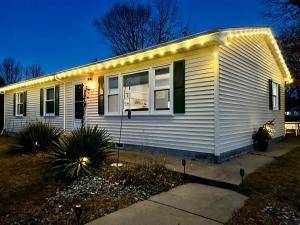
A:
{"x":78,"y":211}
{"x":242,"y":173}
{"x":183,"y":162}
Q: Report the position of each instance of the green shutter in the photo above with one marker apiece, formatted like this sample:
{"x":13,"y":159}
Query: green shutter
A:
{"x":101,"y":95}
{"x":56,"y":100}
{"x":42,"y":102}
{"x":14,"y":104}
{"x":279,"y":97}
{"x":179,"y":86}
{"x":270,"y":95}
{"x":25,"y":103}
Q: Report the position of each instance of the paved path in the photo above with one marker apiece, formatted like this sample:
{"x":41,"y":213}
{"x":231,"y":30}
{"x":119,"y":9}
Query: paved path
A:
{"x":228,"y":171}
{"x":193,"y":204}
{"x":189,"y":204}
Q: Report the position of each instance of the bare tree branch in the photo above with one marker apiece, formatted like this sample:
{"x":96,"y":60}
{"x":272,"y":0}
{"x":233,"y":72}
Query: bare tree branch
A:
{"x":130,"y":26}
{"x":33,"y":71}
{"x":10,"y":70}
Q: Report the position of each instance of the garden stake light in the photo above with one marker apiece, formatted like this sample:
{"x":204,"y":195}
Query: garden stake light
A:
{"x":183,"y":162}
{"x":242,"y":173}
{"x":78,"y":211}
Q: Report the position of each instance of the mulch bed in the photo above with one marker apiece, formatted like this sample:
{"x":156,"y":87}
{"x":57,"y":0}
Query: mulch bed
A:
{"x":29,"y":195}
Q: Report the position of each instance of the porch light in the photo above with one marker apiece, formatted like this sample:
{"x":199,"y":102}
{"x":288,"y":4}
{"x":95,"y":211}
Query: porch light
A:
{"x":90,"y":84}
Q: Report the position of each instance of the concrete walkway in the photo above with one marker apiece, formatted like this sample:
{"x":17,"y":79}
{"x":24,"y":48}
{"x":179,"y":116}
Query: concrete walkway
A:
{"x":189,"y":204}
{"x":228,"y":171}
{"x":193,"y":204}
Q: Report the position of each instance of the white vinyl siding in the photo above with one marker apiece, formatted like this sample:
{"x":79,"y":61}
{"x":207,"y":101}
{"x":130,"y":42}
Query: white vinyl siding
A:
{"x":192,"y":131}
{"x":14,"y":124}
{"x":245,"y":67}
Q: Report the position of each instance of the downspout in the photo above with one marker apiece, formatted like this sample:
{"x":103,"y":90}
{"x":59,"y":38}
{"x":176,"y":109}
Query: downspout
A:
{"x":4,"y":124}
{"x":63,"y":82}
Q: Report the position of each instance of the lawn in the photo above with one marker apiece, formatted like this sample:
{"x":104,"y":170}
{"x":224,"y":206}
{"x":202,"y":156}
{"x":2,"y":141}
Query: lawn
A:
{"x":30,"y":195}
{"x":274,"y":193}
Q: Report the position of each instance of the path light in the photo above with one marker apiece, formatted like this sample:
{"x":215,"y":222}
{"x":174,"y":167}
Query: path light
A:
{"x":78,"y":211}
{"x":183,"y":162}
{"x":242,"y":173}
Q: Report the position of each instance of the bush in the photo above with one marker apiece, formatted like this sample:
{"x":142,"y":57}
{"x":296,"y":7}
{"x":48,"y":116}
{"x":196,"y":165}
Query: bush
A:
{"x":80,"y":152}
{"x":36,"y":136}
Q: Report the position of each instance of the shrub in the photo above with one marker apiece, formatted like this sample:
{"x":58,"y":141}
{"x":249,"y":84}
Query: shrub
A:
{"x":265,"y":132}
{"x":80,"y":152}
{"x":36,"y":136}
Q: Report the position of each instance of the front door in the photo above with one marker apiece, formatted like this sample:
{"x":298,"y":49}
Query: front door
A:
{"x":78,"y":108}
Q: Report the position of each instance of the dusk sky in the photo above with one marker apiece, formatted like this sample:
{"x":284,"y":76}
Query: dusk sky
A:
{"x":58,"y":34}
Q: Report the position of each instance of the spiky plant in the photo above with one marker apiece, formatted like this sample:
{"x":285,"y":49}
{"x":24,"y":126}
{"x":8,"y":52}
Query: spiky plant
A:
{"x":79,"y":153}
{"x":36,"y":136}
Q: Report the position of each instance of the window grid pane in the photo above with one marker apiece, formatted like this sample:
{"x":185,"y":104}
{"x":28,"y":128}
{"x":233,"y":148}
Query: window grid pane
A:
{"x":50,"y":107}
{"x":162,"y":99}
{"x":136,"y":91}
{"x":50,"y":94}
{"x":113,"y":103}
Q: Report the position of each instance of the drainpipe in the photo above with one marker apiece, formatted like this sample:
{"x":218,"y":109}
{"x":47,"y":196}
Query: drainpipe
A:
{"x":63,"y":82}
{"x":4,"y":125}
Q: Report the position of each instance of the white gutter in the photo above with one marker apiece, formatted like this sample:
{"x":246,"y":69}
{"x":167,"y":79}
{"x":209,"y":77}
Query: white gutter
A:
{"x":4,"y":124}
{"x":63,"y":82}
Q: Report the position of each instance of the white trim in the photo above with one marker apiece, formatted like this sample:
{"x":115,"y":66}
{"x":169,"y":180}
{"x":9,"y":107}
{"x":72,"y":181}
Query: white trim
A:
{"x":16,"y":106}
{"x":45,"y":97}
{"x":152,"y":88}
{"x":74,"y":120}
{"x":216,"y":102}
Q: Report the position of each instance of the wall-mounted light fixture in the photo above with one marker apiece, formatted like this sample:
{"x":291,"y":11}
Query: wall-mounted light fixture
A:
{"x":90,"y":84}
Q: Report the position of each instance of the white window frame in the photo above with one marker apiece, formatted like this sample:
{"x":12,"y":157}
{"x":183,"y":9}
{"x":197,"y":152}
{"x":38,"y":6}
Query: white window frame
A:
{"x":152,"y":88}
{"x":275,"y":96}
{"x":106,"y":94}
{"x":16,"y":106}
{"x":45,"y":100}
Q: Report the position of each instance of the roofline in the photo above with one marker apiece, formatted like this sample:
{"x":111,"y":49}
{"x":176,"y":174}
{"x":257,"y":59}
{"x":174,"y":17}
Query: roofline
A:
{"x":221,"y":36}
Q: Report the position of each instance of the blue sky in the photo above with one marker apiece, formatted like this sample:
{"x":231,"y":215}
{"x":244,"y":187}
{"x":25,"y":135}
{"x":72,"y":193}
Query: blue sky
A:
{"x":58,"y":34}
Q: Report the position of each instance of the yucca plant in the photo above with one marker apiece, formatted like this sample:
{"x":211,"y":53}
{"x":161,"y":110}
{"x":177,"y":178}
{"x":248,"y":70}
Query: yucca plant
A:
{"x":36,"y":136}
{"x":79,"y":153}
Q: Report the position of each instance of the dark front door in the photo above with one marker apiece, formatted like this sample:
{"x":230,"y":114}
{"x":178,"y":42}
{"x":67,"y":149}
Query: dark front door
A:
{"x":1,"y":111}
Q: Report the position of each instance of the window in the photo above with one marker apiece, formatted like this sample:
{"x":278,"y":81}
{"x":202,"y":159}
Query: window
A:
{"x":20,"y":104}
{"x":49,"y":101}
{"x":162,"y":89}
{"x":275,"y":96}
{"x":136,"y":88}
{"x":145,"y":92}
{"x":79,"y":107}
{"x":113,"y":94}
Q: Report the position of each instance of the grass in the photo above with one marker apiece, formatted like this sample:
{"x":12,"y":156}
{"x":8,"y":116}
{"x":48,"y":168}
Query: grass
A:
{"x":25,"y":184}
{"x":276,"y":185}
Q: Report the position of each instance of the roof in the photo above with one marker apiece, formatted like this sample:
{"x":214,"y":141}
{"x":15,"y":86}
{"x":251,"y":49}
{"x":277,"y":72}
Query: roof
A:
{"x":199,"y":40}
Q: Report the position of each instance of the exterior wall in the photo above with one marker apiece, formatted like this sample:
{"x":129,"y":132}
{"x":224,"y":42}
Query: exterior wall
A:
{"x":244,"y":69}
{"x":14,"y":124}
{"x":192,"y":131}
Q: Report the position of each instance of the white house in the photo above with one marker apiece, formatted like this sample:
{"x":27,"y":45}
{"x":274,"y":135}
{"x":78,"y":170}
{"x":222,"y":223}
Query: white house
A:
{"x":203,"y":95}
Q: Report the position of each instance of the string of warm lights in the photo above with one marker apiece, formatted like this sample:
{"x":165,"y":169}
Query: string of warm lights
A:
{"x":224,"y":37}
